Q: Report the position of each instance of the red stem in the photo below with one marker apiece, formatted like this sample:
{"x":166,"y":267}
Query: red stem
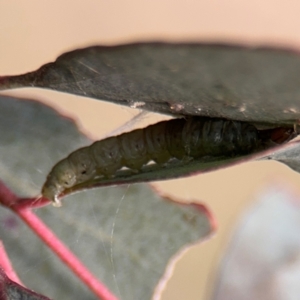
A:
{"x":65,"y":254}
{"x":22,"y":208}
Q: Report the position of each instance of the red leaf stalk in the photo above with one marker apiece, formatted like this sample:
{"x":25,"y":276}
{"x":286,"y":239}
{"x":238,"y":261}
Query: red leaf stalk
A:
{"x":22,"y":208}
{"x":65,"y":254}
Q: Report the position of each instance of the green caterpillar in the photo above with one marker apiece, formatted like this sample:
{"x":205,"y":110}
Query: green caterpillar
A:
{"x":177,"y":138}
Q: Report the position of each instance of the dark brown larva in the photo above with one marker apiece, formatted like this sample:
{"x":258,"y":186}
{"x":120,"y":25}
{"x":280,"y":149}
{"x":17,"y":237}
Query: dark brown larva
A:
{"x":176,"y":138}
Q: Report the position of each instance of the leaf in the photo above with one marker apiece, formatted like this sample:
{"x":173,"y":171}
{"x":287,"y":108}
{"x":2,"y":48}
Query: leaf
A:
{"x":235,"y":82}
{"x":125,"y":235}
{"x":265,"y":241}
{"x":9,"y":290}
{"x":289,"y":155}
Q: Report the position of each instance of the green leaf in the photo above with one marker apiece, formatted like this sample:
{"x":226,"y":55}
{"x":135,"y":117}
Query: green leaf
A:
{"x":126,"y":235}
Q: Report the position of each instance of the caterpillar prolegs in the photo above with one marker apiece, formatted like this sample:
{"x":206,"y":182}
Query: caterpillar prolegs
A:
{"x":180,"y":139}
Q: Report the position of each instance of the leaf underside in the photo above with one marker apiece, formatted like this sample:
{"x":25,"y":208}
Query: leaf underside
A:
{"x":258,"y":85}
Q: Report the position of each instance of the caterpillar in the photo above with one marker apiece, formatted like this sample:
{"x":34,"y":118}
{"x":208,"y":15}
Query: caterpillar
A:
{"x":190,"y":138}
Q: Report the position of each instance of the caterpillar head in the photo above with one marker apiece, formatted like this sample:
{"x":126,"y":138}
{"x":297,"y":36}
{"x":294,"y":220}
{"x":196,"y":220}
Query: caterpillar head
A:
{"x":61,"y":177}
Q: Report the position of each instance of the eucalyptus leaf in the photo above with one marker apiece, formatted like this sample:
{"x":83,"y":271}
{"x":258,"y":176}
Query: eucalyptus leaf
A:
{"x":125,"y":235}
{"x":258,"y":85}
{"x":289,"y":155}
{"x":11,"y":290}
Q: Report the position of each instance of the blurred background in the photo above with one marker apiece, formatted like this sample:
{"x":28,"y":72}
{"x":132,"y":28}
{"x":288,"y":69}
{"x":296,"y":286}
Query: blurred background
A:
{"x":254,"y":253}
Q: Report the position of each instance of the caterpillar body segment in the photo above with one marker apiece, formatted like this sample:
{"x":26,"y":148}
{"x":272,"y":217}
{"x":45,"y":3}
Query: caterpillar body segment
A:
{"x":107,"y":156}
{"x":134,"y":149}
{"x":155,"y":139}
